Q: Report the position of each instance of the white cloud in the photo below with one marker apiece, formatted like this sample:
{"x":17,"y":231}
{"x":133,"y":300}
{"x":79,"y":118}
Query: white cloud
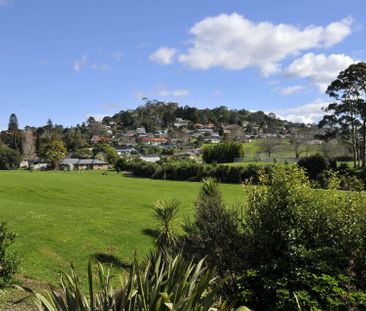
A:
{"x":117,"y":56}
{"x":6,"y":2}
{"x":79,"y":64}
{"x":308,"y":113}
{"x":286,"y":91}
{"x":162,"y":92}
{"x":83,"y":63}
{"x":234,"y":42}
{"x":320,"y":69}
{"x":173,"y":93}
{"x":100,"y":67}
{"x":163,"y":55}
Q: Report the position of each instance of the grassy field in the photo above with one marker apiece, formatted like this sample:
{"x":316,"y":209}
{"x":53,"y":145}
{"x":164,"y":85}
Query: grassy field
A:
{"x":63,"y":217}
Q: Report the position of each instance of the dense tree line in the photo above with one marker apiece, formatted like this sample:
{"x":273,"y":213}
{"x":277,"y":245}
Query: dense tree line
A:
{"x":319,"y":169}
{"x":156,"y":115}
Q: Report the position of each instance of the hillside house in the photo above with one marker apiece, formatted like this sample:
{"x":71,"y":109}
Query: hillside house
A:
{"x":96,"y":139}
{"x":126,"y":150}
{"x":39,"y":164}
{"x":185,"y":155}
{"x":150,"y":158}
{"x":154,"y":141}
{"x":70,"y":164}
{"x":179,"y":122}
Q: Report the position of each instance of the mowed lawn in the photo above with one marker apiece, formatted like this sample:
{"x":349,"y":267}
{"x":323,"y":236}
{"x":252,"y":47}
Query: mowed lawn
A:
{"x":68,"y":217}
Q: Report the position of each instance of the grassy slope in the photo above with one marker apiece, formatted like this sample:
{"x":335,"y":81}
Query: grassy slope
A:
{"x":62,"y":217}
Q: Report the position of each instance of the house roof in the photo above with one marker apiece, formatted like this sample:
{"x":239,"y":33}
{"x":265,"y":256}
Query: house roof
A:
{"x":73,"y":161}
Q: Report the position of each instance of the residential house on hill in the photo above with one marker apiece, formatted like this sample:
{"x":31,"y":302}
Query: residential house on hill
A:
{"x":154,"y":141}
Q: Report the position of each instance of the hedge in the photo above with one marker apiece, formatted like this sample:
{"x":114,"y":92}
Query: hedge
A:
{"x":187,"y":170}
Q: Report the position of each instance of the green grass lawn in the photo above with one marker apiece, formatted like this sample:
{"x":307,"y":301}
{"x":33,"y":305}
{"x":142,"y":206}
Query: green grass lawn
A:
{"x":68,"y":217}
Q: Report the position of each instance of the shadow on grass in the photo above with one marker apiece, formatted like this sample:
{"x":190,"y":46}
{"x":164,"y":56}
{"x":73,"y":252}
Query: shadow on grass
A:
{"x":111,"y":260}
{"x":151,"y":232}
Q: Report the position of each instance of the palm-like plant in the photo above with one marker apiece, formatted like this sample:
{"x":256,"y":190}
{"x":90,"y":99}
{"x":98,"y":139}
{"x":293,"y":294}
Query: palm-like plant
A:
{"x":163,"y":283}
{"x":166,"y":216}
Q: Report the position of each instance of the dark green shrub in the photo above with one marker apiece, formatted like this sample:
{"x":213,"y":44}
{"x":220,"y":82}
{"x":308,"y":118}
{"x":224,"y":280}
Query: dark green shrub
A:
{"x":9,"y":158}
{"x":223,"y":152}
{"x":121,"y":165}
{"x":214,"y":232}
{"x":144,"y":169}
{"x":317,"y":164}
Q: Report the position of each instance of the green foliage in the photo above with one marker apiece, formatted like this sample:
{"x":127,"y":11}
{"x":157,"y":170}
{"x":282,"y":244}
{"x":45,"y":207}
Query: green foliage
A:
{"x":193,"y":171}
{"x":317,"y":164}
{"x":166,"y":216}
{"x":214,"y":232}
{"x":120,"y":165}
{"x":13,"y":123}
{"x":9,"y":158}
{"x":8,"y":260}
{"x":161,"y":283}
{"x":223,"y":152}
{"x":83,"y":153}
{"x":347,"y":116}
{"x":54,"y":151}
{"x":108,"y":152}
{"x":300,"y":240}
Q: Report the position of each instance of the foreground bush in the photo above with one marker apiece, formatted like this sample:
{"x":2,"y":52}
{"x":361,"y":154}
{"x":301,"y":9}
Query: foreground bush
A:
{"x":214,"y":232}
{"x":303,"y":247}
{"x":291,"y":247}
{"x":8,"y":261}
{"x":163,"y":283}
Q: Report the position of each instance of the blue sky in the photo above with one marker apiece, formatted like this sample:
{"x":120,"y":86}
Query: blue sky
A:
{"x":69,"y":59}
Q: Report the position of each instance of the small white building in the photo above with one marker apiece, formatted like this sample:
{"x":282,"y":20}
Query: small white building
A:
{"x":151,"y":159}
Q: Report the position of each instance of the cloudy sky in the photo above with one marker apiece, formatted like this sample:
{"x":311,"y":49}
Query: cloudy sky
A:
{"x":69,"y":59}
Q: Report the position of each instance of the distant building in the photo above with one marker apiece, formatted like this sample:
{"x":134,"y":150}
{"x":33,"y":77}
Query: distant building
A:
{"x":99,"y":139}
{"x":141,"y":131}
{"x":70,"y":164}
{"x":39,"y":164}
{"x":150,"y":158}
{"x":185,"y":155}
{"x":121,"y":151}
{"x":154,"y":141}
{"x":179,"y":122}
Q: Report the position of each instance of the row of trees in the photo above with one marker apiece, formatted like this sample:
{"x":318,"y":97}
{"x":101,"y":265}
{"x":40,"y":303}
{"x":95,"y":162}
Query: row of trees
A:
{"x":156,"y":115}
{"x":51,"y":143}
